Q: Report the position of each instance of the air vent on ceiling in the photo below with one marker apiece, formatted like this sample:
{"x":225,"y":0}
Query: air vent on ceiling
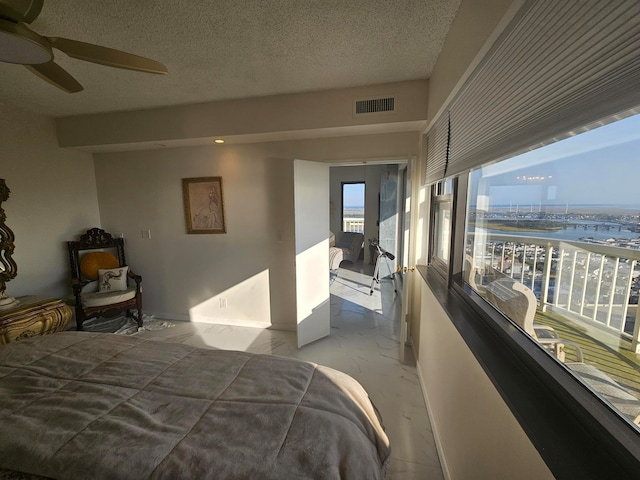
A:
{"x":374,"y":106}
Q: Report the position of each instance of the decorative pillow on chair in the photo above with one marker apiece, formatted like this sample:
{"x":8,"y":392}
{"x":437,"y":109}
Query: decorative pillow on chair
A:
{"x":92,"y":262}
{"x":112,"y":279}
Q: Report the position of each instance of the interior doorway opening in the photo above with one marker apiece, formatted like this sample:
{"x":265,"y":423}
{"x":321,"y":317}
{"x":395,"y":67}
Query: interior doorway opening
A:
{"x":386,"y":223}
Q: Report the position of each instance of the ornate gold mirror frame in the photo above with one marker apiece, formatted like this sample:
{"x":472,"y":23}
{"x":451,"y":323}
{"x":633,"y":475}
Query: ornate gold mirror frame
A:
{"x":8,"y":267}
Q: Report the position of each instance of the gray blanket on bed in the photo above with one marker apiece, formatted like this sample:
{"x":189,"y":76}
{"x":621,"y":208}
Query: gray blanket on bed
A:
{"x":77,"y":405}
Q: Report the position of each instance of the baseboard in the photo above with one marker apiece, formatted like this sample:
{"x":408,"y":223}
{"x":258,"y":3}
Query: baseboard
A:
{"x":209,"y":320}
{"x":168,"y":316}
{"x":230,"y":322}
{"x":287,"y":327}
{"x":434,"y":430}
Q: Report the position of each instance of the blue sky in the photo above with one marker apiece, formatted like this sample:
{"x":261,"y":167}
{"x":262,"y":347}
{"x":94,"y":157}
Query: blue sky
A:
{"x":601,"y":166}
{"x":353,"y":194}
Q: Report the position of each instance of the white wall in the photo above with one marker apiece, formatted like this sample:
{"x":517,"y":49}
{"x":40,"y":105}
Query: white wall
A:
{"x":53,"y":199}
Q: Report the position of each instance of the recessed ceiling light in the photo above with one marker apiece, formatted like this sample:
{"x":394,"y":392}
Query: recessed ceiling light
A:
{"x":219,"y":140}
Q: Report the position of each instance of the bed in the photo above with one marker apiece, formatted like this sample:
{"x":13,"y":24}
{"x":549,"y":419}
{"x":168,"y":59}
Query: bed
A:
{"x":80,"y":405}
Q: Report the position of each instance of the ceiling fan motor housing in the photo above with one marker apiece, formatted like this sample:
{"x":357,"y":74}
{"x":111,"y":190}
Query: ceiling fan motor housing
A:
{"x":20,"y":10}
{"x":20,"y":45}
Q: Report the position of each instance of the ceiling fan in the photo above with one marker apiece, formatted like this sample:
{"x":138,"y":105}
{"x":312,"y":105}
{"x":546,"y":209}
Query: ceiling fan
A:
{"x":21,"y":45}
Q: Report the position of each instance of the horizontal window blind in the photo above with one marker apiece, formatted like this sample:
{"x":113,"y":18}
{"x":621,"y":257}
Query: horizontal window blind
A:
{"x":559,"y":66}
{"x":437,"y":144}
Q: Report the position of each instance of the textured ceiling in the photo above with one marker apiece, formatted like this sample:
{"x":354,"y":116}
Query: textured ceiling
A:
{"x":217,"y":50}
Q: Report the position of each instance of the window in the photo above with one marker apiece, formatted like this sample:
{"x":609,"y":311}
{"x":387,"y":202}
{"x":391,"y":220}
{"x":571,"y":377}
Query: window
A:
{"x":553,"y":242}
{"x":548,"y":236}
{"x":353,"y":207}
{"x":441,"y":240}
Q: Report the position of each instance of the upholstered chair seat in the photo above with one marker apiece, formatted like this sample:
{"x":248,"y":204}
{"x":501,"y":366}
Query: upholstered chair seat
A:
{"x":99,"y":299}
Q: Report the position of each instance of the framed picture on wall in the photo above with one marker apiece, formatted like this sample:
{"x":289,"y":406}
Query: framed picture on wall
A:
{"x":203,"y":205}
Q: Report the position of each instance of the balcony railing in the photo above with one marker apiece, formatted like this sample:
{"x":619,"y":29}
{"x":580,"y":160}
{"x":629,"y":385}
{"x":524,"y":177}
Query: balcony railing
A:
{"x":353,"y":224}
{"x":595,"y":283}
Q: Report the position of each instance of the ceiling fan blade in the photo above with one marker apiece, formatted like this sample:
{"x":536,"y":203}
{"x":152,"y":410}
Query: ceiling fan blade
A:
{"x":25,"y":11}
{"x":56,"y":75}
{"x":106,"y":56}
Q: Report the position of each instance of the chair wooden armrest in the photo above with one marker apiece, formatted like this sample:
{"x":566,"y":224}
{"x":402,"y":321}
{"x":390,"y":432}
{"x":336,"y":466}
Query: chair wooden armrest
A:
{"x":137,"y":278}
{"x":76,"y":286}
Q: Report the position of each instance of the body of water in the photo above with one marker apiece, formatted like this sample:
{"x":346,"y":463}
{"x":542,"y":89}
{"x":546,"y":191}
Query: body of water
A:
{"x":571,"y":233}
{"x":351,"y":212}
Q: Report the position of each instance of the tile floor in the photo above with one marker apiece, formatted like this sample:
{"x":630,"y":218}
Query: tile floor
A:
{"x":364,"y":342}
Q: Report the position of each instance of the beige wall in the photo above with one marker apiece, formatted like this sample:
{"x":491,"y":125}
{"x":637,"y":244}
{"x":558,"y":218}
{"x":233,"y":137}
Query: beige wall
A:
{"x":307,"y":115}
{"x":252,"y":265}
{"x":186,"y":276}
{"x":478,"y":436}
{"x":475,"y":28}
{"x":53,"y":199}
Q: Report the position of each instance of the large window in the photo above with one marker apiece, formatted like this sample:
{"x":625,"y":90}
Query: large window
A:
{"x":553,"y":242}
{"x":545,"y":227}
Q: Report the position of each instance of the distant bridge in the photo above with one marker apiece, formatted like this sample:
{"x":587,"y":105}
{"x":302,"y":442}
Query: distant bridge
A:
{"x":594,"y":226}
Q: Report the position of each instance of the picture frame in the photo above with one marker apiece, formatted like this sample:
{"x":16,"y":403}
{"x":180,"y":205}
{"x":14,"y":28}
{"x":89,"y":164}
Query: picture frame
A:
{"x":203,"y":205}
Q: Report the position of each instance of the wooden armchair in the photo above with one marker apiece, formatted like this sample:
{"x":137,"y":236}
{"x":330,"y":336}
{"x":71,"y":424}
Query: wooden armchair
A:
{"x":102,"y":282}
